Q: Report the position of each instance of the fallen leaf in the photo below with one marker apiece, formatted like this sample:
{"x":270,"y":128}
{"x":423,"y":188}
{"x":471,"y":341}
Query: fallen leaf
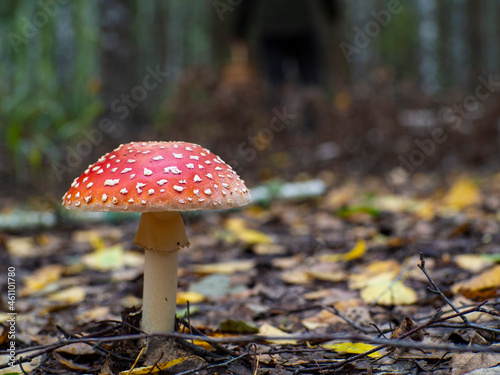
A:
{"x":364,"y":277}
{"x":473,"y":262}
{"x":462,"y":363}
{"x":352,"y":348}
{"x":406,"y":325}
{"x":191,"y":296}
{"x":299,"y":276}
{"x":22,"y":247}
{"x":4,"y":334}
{"x":28,"y":367}
{"x":237,"y":226}
{"x":327,"y":272}
{"x":356,"y":252}
{"x":105,"y":259}
{"x":68,"y":296}
{"x":462,"y":194}
{"x":383,"y":290}
{"x":287,"y":262}
{"x":268,"y":330}
{"x":77,"y":348}
{"x":342,"y":196}
{"x":155,"y":368}
{"x":352,"y":308}
{"x":94,"y":315}
{"x":480,"y":287}
{"x":225,"y":268}
{"x":70,"y":363}
{"x":330,"y":295}
{"x":269,"y":249}
{"x":425,"y":210}
{"x":216,"y":285}
{"x":237,"y":326}
{"x":41,"y":278}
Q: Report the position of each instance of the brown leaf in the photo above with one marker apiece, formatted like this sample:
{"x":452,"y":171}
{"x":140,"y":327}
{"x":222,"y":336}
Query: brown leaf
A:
{"x":480,"y":287}
{"x":70,"y":363}
{"x":406,"y":326}
{"x":462,"y":363}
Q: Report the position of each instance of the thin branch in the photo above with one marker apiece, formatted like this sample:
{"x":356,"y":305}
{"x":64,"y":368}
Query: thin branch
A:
{"x":215,"y":365}
{"x":436,"y":289}
{"x":466,"y":321}
{"x":214,"y":344}
{"x":336,"y":311}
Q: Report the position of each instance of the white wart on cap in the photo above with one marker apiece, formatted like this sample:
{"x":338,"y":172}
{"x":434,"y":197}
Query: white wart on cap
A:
{"x":157,"y":176}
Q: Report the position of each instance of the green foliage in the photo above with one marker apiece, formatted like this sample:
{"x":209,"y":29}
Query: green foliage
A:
{"x":40,"y":106}
{"x":398,"y":39}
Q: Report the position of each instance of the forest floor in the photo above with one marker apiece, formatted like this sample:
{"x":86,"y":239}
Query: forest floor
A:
{"x":359,"y":279}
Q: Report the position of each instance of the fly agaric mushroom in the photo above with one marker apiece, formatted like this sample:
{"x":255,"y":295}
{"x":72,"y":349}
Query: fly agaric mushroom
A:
{"x":158,"y":179}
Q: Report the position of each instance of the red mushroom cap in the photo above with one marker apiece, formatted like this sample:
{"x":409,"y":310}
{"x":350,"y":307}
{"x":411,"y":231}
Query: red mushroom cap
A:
{"x":157,"y":176}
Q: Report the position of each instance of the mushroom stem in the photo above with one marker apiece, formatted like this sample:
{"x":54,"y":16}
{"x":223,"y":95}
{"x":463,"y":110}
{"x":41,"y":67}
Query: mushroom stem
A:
{"x":160,"y":292}
{"x":161,"y":234}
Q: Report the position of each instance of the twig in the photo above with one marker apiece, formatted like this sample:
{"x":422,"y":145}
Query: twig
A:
{"x":198,"y":350}
{"x":214,"y":344}
{"x":215,"y":365}
{"x":121,"y":323}
{"x":436,"y":289}
{"x":336,"y":311}
{"x":137,"y":360}
{"x":467,"y":323}
{"x":189,"y":319}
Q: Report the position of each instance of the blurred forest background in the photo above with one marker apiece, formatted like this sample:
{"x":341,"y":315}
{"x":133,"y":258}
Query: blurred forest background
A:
{"x":68,"y":67}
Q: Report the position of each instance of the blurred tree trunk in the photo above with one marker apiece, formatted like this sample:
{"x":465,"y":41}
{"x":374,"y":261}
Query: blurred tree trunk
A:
{"x":221,"y":37}
{"x":118,"y":61}
{"x":476,"y":44}
{"x":491,"y":30}
{"x":358,"y":15}
{"x":458,"y":41}
{"x":428,"y":38}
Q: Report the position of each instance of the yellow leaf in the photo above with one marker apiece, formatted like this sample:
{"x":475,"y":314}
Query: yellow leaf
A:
{"x":22,"y":247}
{"x":384,"y":291}
{"x":472,"y":262}
{"x":268,"y":330}
{"x":105,"y":259}
{"x":225,"y":267}
{"x":64,"y":298}
{"x":156,"y":368}
{"x":389,"y":268}
{"x":462,"y":194}
{"x":352,"y":348}
{"x":73,"y":295}
{"x":425,"y":210}
{"x":296,"y":277}
{"x":487,"y":280}
{"x":327,"y":272}
{"x":41,"y":278}
{"x":356,"y":252}
{"x":269,"y":249}
{"x":249,"y":236}
{"x":192,"y":297}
